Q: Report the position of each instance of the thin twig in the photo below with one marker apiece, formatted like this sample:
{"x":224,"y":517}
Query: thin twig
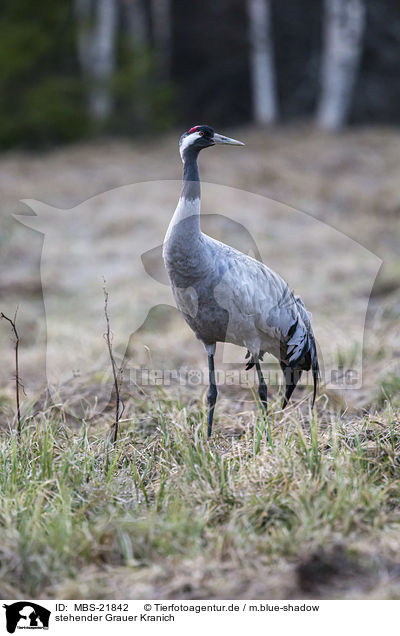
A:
{"x":13,"y":323}
{"x":115,"y":370}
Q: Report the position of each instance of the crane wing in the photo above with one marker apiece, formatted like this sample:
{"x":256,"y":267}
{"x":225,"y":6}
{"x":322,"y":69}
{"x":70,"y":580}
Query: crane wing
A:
{"x":252,"y":292}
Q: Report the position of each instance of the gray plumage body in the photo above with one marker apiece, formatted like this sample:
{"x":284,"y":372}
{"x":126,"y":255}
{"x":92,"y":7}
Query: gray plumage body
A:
{"x":227,"y":296}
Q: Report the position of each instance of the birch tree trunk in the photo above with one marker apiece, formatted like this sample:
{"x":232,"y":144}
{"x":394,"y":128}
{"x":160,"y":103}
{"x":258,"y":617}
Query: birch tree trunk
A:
{"x":97,"y":53}
{"x":344,"y":22}
{"x":162,"y":35}
{"x":262,"y":62}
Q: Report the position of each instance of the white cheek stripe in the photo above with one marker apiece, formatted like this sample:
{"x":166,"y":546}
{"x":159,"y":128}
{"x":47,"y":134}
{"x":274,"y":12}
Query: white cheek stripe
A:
{"x":188,"y":141}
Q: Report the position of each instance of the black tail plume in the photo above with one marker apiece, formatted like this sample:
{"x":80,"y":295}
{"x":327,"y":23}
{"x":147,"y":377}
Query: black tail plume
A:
{"x":315,"y":369}
{"x":292,"y":377}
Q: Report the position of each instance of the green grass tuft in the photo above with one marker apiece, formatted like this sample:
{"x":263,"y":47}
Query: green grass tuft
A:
{"x":72,"y":503}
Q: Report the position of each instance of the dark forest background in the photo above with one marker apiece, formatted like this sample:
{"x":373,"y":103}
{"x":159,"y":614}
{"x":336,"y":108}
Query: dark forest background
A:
{"x":173,"y":64}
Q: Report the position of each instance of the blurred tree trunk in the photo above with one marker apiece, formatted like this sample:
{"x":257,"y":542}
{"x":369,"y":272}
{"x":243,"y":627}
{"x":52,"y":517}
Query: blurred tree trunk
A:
{"x":344,"y":22}
{"x":262,"y":62}
{"x":136,"y":18}
{"x":162,"y":35}
{"x":97,"y":29}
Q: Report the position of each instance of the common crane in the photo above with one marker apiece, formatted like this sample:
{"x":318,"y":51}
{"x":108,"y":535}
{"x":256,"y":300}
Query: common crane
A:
{"x":227,"y":296}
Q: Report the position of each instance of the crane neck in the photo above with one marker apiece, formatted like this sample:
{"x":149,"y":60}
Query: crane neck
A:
{"x":191,"y":176}
{"x":184,"y":228}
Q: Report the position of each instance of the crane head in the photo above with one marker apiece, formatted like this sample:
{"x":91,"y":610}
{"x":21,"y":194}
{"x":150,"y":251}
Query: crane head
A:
{"x":200,"y":137}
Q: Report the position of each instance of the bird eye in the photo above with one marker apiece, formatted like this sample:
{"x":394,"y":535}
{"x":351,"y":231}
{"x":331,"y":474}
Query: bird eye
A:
{"x":201,"y":133}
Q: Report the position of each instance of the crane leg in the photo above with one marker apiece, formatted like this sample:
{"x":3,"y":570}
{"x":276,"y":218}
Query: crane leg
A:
{"x":262,"y":387}
{"x":211,"y":394}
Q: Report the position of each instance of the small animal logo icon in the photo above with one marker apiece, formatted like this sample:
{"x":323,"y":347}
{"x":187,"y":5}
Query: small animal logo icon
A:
{"x":26,"y":615}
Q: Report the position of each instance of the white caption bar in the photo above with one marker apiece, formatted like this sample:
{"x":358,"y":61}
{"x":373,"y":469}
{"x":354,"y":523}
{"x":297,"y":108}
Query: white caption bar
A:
{"x":200,"y":617}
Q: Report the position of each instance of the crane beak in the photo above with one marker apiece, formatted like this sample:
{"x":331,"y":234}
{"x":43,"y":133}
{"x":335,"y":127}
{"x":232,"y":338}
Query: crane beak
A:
{"x":220,"y":139}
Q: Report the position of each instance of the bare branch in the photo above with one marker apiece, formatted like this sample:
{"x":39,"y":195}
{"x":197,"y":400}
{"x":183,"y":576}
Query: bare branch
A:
{"x":119,"y":407}
{"x":18,"y":383}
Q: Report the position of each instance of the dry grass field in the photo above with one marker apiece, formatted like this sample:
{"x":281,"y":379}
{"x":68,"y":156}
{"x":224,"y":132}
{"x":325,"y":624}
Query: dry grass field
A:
{"x":293,"y":505}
